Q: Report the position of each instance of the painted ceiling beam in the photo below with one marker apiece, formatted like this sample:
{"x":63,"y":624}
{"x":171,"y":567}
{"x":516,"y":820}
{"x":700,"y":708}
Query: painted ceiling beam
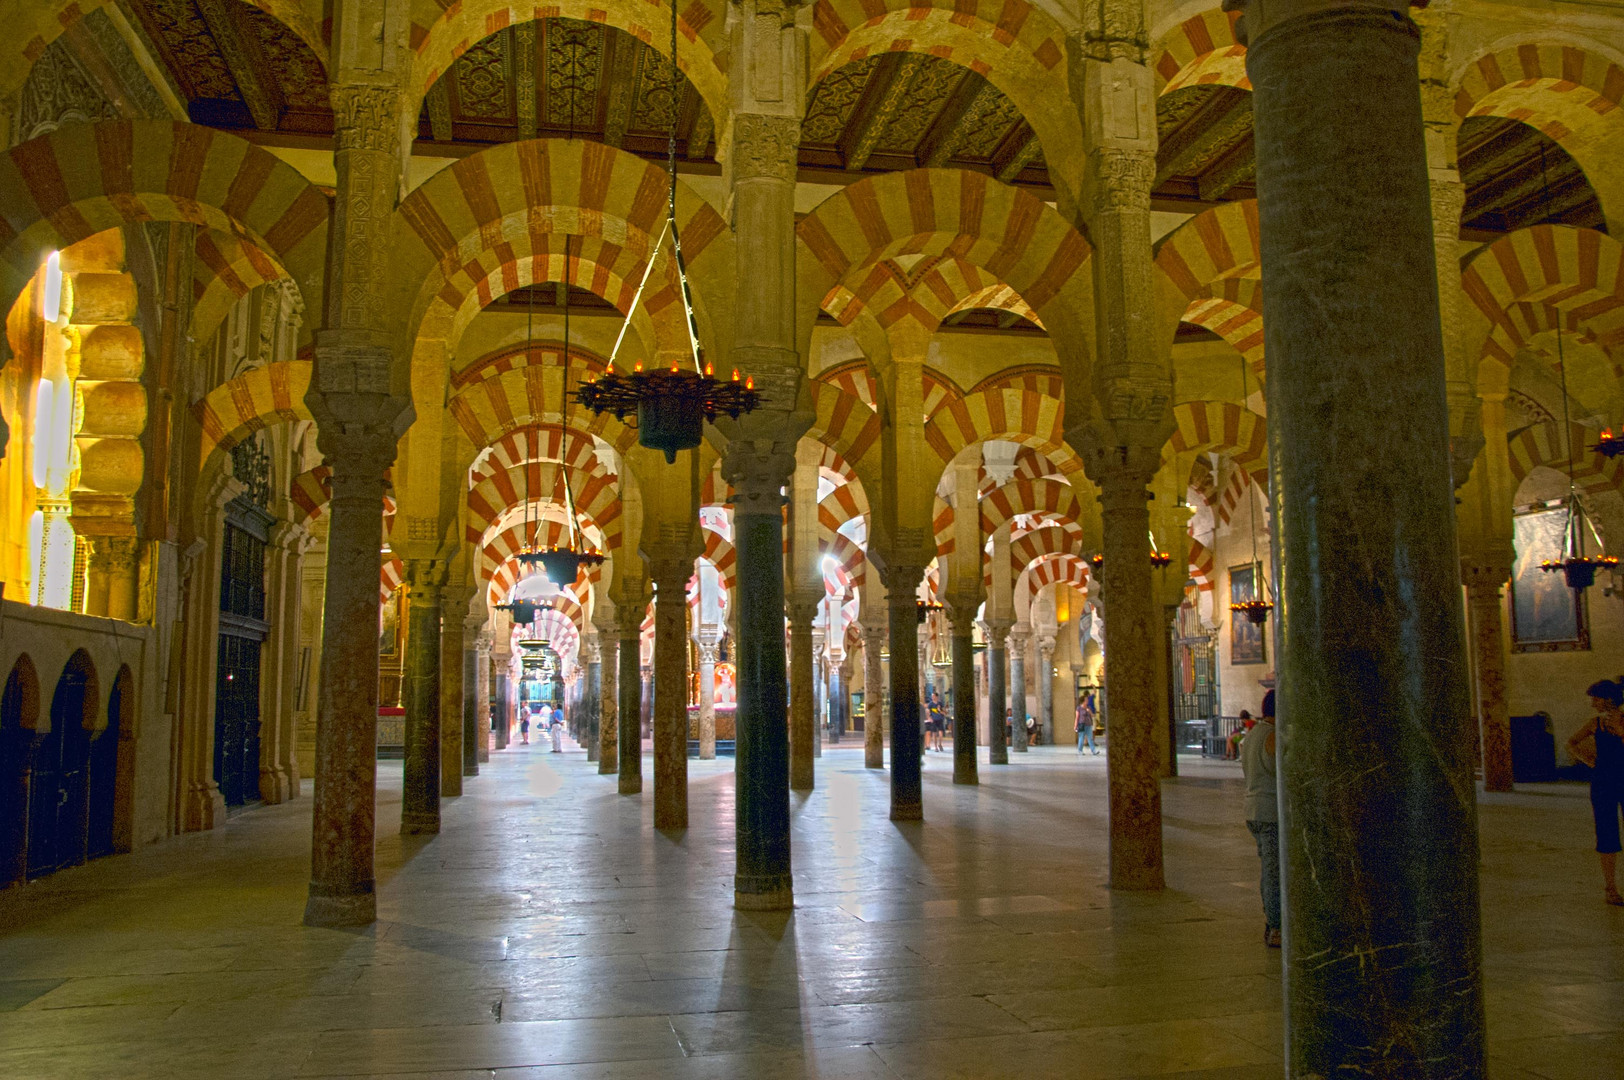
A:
{"x":969,"y":103}
{"x":887,"y":93}
{"x":524,"y":78}
{"x":1223,"y":120}
{"x":622,"y":81}
{"x":243,"y":60}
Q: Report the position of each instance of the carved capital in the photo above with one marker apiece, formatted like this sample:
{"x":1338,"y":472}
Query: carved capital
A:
{"x":800,"y":611}
{"x":366,"y":118}
{"x":115,"y":555}
{"x":758,"y":472}
{"x":1122,"y":179}
{"x":764,"y":147}
{"x":427,"y":578}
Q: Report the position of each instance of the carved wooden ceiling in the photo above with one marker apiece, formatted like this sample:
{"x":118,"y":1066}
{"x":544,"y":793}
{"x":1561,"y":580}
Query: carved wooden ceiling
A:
{"x":242,"y":70}
{"x":1205,"y":155}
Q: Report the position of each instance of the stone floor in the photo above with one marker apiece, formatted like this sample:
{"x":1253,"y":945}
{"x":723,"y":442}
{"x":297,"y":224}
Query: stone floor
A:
{"x":548,"y":931}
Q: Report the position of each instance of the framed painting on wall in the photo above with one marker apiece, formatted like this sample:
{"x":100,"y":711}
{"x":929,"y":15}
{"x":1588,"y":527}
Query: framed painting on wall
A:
{"x":1245,"y":637}
{"x":1546,"y":615}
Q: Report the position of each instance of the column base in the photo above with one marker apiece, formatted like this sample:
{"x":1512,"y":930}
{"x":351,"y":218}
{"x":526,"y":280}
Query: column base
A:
{"x":607,"y":766}
{"x":775,"y":893}
{"x":998,"y":759}
{"x":419,"y":824}
{"x":801,"y":783}
{"x":327,"y":908}
{"x":470,"y":770}
{"x":1021,"y":749}
{"x":703,"y":756}
{"x":966,"y":776}
{"x":631,"y":786}
{"x":907,"y":812}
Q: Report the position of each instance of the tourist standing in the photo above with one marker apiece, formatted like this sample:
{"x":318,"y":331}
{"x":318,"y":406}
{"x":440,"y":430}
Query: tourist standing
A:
{"x":1085,"y":725}
{"x":1263,"y":814}
{"x":1600,"y":744}
{"x":558,"y":730}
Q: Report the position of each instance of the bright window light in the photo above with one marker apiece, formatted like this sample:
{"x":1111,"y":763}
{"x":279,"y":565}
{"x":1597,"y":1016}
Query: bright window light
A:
{"x":51,"y":295}
{"x":42,"y":430}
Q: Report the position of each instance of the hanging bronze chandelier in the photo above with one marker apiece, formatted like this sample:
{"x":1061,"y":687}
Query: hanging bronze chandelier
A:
{"x":1578,"y":568}
{"x":671,"y":406}
{"x":925,"y":609}
{"x":1256,"y":609}
{"x":562,"y":562}
{"x":1609,"y":445}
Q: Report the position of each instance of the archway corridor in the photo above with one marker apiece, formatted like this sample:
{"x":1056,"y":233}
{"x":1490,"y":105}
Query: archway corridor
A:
{"x":550,"y":931}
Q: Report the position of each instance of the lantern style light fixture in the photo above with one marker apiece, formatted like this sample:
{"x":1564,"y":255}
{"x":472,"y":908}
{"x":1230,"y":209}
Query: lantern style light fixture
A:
{"x":925,"y":609}
{"x":671,"y":406}
{"x":1609,"y":445}
{"x":562,"y":562}
{"x":1257,"y":608}
{"x":1578,"y":568}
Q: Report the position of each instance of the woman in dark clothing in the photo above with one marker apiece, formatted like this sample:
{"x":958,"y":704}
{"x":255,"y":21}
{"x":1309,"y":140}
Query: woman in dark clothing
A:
{"x":1600,"y":744}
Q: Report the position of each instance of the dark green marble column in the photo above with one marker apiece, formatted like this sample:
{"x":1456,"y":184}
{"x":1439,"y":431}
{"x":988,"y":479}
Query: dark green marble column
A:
{"x":1019,"y":638}
{"x":762,"y":878}
{"x":420,"y":790}
{"x":470,"y":703}
{"x":907,"y":741}
{"x":964,"y":693}
{"x":997,"y":671}
{"x":630,"y":743}
{"x":1379,"y":828}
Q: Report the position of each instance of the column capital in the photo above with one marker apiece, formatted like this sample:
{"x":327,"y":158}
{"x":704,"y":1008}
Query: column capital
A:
{"x":758,"y":475}
{"x":427,"y":579}
{"x":997,"y":631}
{"x":114,"y":554}
{"x":961,"y":615}
{"x":800,"y":610}
{"x":366,"y":116}
{"x":708,"y":652}
{"x":1258,"y":17}
{"x":764,"y":147}
{"x":590,"y":652}
{"x":1481,"y":572}
{"x":1019,"y":635}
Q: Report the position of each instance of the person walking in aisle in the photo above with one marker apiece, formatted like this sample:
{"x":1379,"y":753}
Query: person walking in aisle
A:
{"x":1263,"y":814}
{"x":1085,"y":725}
{"x":1600,"y":744}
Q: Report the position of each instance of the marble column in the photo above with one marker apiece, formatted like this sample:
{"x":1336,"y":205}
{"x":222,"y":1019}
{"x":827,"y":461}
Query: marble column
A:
{"x":420,"y":787}
{"x":963,"y":619}
{"x":1485,"y":602}
{"x":608,"y":695}
{"x":819,"y":685}
{"x":360,"y":415}
{"x":629,"y":743}
{"x":454,"y":601}
{"x":501,"y":705}
{"x":670,"y":718}
{"x":907,"y":741}
{"x":1383,"y":955}
{"x":802,"y":724}
{"x":470,"y":698}
{"x":837,"y":700}
{"x":589,"y":695}
{"x":874,"y":639}
{"x":1018,"y":639}
{"x":762,"y":877}
{"x":278,"y":759}
{"x":344,"y":810}
{"x":1045,"y":677}
{"x":482,"y":694}
{"x":997,"y":669}
{"x":707,"y":699}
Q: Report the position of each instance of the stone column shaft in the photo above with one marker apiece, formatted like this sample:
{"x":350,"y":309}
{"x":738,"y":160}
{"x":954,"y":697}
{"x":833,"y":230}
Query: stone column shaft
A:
{"x":997,"y":668}
{"x":1132,"y":639}
{"x":608,"y":694}
{"x":629,"y":744}
{"x":482,"y":695}
{"x":762,"y":878}
{"x":1484,"y":600}
{"x":1017,"y":687}
{"x":420,"y":789}
{"x":802,"y":723}
{"x":591,"y":696}
{"x":1378,"y":806}
{"x":874,"y":696}
{"x":964,"y":695}
{"x":907,"y":802}
{"x":451,"y":724}
{"x":671,"y":692}
{"x":344,"y":810}
{"x":1045,"y":676}
{"x":707,"y":701}
{"x":470,"y":704}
